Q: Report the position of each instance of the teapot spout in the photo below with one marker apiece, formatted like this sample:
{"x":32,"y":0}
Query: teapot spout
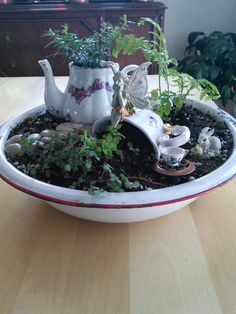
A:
{"x":53,"y":97}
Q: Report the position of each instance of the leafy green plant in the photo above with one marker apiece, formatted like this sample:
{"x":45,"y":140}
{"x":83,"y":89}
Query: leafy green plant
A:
{"x":163,"y":102}
{"x":213,"y":57}
{"x":87,"y":51}
{"x":83,"y":160}
{"x":155,"y":50}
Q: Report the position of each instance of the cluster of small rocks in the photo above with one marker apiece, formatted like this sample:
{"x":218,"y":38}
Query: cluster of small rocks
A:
{"x":13,"y":144}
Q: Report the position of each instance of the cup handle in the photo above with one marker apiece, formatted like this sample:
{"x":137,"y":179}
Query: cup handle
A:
{"x":182,"y":135}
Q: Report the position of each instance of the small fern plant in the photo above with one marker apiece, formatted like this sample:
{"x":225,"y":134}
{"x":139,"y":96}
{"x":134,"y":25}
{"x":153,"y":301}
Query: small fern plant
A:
{"x":87,"y":52}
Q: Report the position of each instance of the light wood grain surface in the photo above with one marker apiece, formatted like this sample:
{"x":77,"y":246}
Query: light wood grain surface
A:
{"x":52,"y":263}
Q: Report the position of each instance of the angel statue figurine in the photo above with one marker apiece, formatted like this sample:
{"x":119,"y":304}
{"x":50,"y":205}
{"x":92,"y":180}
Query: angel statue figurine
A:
{"x":130,"y":90}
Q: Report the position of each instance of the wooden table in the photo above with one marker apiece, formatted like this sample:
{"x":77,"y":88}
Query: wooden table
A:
{"x":51,"y":263}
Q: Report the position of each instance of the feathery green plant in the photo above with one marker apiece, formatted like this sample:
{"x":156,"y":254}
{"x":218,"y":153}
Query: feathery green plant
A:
{"x":87,"y":52}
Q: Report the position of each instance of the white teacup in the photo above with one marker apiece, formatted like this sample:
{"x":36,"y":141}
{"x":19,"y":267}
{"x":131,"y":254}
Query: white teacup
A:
{"x":152,"y":126}
{"x":172,"y":156}
{"x":145,"y":120}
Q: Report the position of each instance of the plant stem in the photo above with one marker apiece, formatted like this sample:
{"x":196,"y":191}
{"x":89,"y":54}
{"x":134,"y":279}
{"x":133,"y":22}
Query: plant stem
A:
{"x":159,"y":81}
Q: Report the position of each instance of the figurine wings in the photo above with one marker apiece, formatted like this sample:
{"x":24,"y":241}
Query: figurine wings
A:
{"x":128,"y":88}
{"x":136,"y":85}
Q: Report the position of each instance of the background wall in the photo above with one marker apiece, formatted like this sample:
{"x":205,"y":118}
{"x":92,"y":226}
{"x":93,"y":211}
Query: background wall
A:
{"x":185,"y":16}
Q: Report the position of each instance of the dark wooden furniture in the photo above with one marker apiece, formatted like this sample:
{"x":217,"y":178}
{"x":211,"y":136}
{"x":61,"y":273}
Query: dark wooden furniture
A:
{"x":22,"y":27}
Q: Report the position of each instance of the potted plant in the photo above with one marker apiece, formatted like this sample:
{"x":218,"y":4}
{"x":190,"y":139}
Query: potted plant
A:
{"x":213,"y":57}
{"x":117,"y":176}
{"x":88,"y":93}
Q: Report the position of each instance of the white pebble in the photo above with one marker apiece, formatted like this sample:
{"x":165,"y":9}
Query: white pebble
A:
{"x":12,"y":150}
{"x":34,"y":137}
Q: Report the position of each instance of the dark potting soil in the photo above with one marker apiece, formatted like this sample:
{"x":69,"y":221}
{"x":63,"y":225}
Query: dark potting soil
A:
{"x":138,"y":156}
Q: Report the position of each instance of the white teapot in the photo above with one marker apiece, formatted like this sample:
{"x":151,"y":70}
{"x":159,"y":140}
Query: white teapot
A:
{"x":87,"y":97}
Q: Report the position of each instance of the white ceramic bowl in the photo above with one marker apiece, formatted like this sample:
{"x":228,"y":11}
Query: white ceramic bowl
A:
{"x":118,"y":207}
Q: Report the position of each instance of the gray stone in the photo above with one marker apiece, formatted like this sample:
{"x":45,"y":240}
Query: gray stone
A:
{"x":45,"y":139}
{"x":22,"y":168}
{"x":12,"y":150}
{"x":70,"y":127}
{"x":48,"y":133}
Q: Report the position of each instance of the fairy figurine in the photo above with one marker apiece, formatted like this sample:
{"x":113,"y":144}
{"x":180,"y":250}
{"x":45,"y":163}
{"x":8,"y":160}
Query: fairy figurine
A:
{"x":129,"y":89}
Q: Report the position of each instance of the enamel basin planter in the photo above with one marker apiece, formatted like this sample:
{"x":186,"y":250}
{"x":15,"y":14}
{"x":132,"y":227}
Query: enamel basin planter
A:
{"x":118,"y":207}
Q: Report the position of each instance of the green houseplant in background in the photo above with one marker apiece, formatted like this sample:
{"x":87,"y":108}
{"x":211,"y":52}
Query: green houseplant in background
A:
{"x":213,"y":57}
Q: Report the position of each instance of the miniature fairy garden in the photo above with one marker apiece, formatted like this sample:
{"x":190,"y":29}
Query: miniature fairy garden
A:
{"x":118,"y":163}
{"x":108,"y":150}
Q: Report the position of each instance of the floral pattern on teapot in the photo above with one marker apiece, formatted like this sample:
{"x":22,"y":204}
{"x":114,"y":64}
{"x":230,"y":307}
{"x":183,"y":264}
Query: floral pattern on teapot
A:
{"x":81,"y":93}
